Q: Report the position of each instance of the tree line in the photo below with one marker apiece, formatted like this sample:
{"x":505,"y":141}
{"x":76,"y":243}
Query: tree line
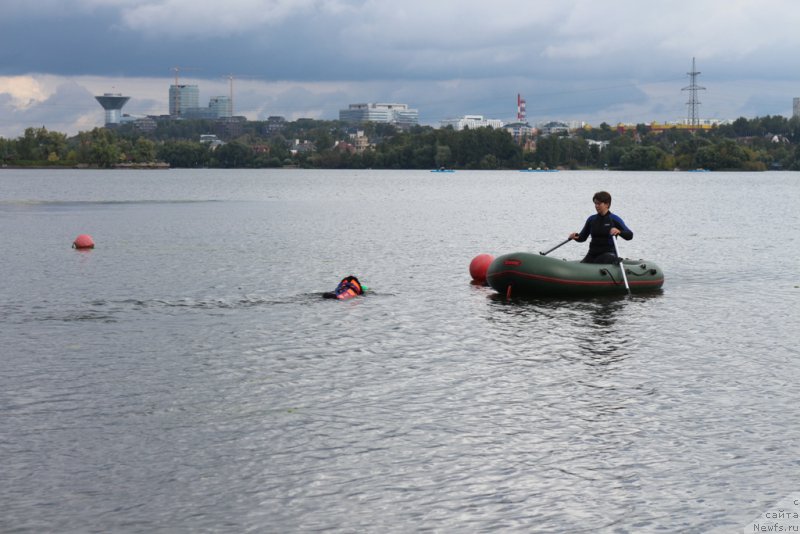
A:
{"x":762,"y":143}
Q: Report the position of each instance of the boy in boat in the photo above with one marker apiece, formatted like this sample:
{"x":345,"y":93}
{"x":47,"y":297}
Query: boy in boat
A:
{"x":348,"y":288}
{"x":602,"y":227}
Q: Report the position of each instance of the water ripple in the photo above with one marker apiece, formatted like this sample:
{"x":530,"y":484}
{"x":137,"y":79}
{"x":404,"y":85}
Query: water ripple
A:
{"x":188,"y":376}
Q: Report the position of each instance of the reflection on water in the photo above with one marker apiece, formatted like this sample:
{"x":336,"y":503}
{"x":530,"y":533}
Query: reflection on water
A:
{"x":590,"y":325}
{"x":587,"y":355}
{"x":598,"y":335}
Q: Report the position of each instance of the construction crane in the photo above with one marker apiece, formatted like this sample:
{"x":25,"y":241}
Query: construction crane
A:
{"x":177,"y":71}
{"x":230,"y":78}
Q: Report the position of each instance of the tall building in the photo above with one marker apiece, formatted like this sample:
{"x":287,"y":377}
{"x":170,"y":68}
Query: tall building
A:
{"x":182,"y":98}
{"x":796,"y":107}
{"x":220,"y":107}
{"x":112,"y":103}
{"x":184,"y":102}
{"x":398,"y":114}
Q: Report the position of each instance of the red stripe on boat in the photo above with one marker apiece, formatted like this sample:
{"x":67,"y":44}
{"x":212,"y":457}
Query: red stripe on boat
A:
{"x":577,"y":282}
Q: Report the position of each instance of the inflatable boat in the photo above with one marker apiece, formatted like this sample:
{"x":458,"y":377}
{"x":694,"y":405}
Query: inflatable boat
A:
{"x":535,"y":275}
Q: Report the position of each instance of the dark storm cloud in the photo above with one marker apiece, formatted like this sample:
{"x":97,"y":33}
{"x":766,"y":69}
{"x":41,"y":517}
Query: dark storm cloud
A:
{"x":621,"y":60}
{"x":77,"y":44}
{"x":305,"y":45}
{"x":370,"y":40}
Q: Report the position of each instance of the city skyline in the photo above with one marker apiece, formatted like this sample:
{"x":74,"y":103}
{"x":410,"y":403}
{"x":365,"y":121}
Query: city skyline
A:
{"x":619,"y":61}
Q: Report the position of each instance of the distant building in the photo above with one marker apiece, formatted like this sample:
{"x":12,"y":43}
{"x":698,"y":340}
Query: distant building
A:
{"x":302,"y":147}
{"x":184,"y":103}
{"x":230,"y":127}
{"x":599,"y":144}
{"x":520,"y":131}
{"x":344,"y":146}
{"x":471,"y":122}
{"x":796,"y":107}
{"x":145,"y":124}
{"x":274,"y":124}
{"x":198,"y":114}
{"x":112,"y":103}
{"x":220,"y":107}
{"x":359,"y":141}
{"x":683,"y":124}
{"x":397,"y":114}
{"x":553,"y":127}
{"x":211,"y":140}
{"x":183,"y":98}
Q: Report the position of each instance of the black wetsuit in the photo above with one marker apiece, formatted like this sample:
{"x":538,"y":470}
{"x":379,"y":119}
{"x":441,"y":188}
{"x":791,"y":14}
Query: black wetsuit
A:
{"x":601,"y":247}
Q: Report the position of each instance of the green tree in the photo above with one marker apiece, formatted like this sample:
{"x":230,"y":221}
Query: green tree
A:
{"x":144,"y":151}
{"x":617,"y":147}
{"x":233,"y":155}
{"x":184,"y":154}
{"x":28,"y":148}
{"x":104,"y":150}
{"x":793,"y":161}
{"x":725,"y":154}
{"x":548,"y":151}
{"x":489,"y":162}
{"x":642,"y":158}
{"x":443,"y":156}
{"x":8,"y":150}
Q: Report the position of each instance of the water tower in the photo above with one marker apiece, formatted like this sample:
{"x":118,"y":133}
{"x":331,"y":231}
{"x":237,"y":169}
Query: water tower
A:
{"x":112,"y":103}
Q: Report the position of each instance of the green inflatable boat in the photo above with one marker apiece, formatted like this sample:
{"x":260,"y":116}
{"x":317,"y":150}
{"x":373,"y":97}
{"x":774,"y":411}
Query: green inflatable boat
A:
{"x":535,"y":275}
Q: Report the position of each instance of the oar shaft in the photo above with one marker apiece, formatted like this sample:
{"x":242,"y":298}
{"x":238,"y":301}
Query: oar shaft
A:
{"x":621,"y":265}
{"x":567,"y":240}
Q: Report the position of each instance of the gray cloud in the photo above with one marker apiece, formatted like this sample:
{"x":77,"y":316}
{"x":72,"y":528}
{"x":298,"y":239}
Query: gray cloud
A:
{"x":575,"y":59}
{"x":65,"y":108}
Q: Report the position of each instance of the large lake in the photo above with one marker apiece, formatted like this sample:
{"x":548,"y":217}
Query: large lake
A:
{"x":186,"y":376}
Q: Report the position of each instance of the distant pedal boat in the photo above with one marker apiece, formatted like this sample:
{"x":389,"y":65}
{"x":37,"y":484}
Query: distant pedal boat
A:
{"x":535,"y":275}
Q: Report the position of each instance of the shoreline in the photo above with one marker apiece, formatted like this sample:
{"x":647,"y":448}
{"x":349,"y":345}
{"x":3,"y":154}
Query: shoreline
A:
{"x":83,"y":166}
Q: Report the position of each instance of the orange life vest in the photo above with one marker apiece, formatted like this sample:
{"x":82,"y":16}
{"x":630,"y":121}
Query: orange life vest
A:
{"x":348,"y":288}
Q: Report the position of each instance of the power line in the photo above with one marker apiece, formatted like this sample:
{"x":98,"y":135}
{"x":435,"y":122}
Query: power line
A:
{"x":693,"y":103}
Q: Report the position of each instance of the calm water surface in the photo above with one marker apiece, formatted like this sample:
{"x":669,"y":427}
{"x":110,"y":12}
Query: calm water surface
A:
{"x":186,"y":376}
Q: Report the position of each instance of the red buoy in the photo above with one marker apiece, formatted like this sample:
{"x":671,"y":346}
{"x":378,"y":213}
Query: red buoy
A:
{"x":478,"y":267}
{"x":83,"y":241}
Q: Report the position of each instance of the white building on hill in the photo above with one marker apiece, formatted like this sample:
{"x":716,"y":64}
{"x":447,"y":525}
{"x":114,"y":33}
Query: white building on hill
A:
{"x":471,"y":122}
{"x":398,"y":114}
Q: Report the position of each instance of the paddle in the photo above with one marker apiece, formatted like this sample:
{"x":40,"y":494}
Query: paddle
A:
{"x":567,"y":240}
{"x":621,"y":266}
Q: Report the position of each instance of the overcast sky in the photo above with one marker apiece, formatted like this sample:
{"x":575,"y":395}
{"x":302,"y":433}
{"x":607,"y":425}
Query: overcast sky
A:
{"x":594,"y":61}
